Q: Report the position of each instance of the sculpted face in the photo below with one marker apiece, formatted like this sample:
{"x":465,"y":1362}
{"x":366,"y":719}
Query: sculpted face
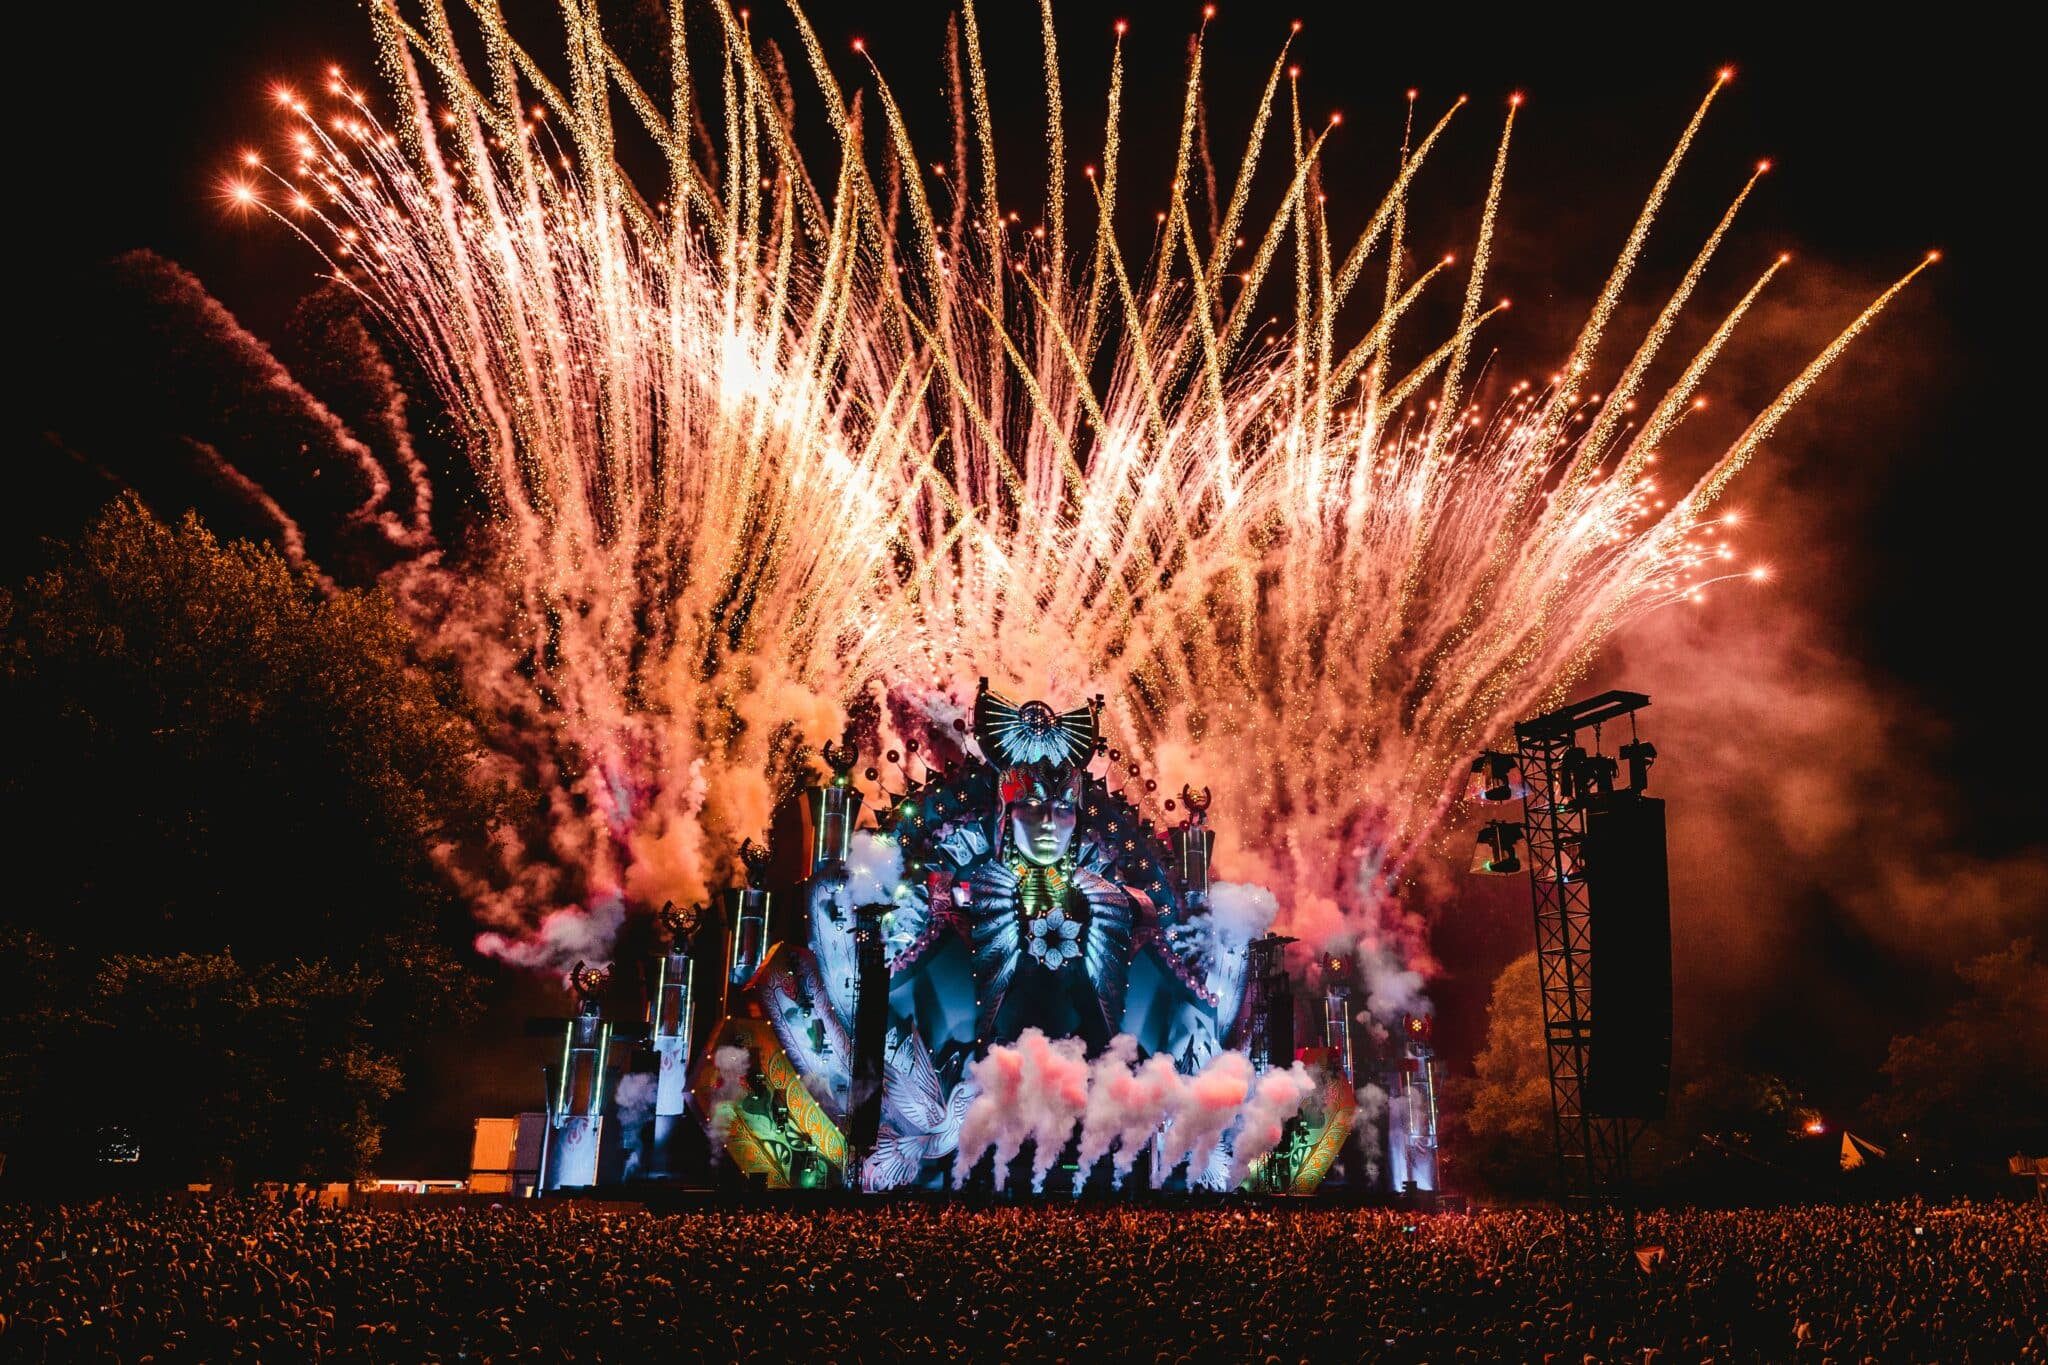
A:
{"x":1042,"y":822}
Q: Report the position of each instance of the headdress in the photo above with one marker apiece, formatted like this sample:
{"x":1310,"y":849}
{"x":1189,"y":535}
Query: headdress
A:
{"x":1013,"y":735}
{"x":1042,"y":781}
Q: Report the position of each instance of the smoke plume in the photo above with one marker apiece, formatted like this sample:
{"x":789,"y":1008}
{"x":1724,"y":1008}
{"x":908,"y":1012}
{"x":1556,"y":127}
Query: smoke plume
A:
{"x":1369,"y":1122}
{"x":873,"y":868}
{"x":1126,"y":1106}
{"x":1036,"y":1090}
{"x":632,"y":1107}
{"x":565,"y":936}
{"x":1241,"y":912}
{"x":733,"y":1064}
{"x":1201,"y":1114}
{"x":1276,"y":1097}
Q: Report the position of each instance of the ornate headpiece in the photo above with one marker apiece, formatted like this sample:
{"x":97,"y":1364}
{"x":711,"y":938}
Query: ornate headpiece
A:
{"x":1042,"y":781}
{"x":755,"y":860}
{"x":680,"y":921}
{"x":1013,"y":736}
{"x":841,"y":759}
{"x":588,"y":982}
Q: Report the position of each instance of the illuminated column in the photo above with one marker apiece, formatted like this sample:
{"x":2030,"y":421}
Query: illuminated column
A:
{"x":671,"y":1013}
{"x":834,"y":808}
{"x":746,"y":910}
{"x":1269,"y":1039}
{"x":1422,"y":1166}
{"x":1337,"y":1012}
{"x":575,"y":1134}
{"x":1193,"y":841}
{"x":1411,"y":1112}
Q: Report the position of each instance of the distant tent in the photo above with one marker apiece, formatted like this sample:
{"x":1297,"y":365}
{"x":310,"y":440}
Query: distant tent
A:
{"x":1856,"y":1153}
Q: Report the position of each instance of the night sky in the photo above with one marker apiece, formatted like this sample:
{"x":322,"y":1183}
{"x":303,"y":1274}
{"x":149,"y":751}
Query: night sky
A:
{"x":1849,"y":752}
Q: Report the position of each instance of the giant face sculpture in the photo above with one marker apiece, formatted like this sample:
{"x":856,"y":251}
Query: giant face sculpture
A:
{"x":1033,"y":897}
{"x":1042,"y":812}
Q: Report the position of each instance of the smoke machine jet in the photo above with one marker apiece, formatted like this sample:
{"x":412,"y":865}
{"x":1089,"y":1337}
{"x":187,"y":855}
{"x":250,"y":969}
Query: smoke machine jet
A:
{"x":1013,"y":896}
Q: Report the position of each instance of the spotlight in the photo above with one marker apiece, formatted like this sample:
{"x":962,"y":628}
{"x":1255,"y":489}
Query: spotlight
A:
{"x":1495,"y":852}
{"x":1587,"y":776}
{"x":1639,"y":754}
{"x":1495,"y":777}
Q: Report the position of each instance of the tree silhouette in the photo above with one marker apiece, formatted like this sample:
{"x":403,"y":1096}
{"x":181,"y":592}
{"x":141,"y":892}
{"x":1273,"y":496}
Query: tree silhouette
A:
{"x":1974,"y":1085}
{"x":226,"y":785}
{"x":1505,"y":1111}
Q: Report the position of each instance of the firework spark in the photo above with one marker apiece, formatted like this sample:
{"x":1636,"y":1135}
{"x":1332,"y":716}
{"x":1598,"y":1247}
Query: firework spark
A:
{"x":785,"y":429}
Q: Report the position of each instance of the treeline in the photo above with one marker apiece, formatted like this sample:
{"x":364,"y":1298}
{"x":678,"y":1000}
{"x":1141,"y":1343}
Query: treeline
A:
{"x":1954,"y":1100}
{"x":225,"y":934}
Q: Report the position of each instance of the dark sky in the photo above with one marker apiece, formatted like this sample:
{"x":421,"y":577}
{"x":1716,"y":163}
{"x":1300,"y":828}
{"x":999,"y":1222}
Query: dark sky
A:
{"x":1841,"y":747}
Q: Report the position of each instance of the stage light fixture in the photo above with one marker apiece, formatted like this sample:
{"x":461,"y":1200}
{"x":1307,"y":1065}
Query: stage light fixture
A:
{"x":1495,"y":777}
{"x":1496,"y":852}
{"x":1587,"y":776}
{"x":1639,"y":754}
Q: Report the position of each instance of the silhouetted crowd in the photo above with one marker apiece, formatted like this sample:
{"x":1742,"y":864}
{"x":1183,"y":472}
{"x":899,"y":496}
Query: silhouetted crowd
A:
{"x":228,"y":1279}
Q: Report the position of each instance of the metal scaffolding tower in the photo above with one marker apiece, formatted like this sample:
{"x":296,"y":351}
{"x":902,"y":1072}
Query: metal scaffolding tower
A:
{"x":1563,"y":783}
{"x":1269,"y":1040}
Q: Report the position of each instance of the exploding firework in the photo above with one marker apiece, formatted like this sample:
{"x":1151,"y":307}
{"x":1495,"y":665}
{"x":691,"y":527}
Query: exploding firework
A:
{"x":783,"y":430}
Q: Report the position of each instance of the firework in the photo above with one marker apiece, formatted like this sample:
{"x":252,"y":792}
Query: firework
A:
{"x":784,"y":428}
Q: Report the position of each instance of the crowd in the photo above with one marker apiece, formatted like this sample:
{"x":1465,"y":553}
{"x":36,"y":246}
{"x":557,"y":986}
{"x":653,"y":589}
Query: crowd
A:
{"x":226,"y":1279}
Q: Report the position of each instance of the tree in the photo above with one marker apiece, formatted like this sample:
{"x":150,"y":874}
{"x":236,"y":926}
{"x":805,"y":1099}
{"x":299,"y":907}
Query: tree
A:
{"x":1506,"y":1114}
{"x":1974,"y":1085}
{"x":228,"y":784}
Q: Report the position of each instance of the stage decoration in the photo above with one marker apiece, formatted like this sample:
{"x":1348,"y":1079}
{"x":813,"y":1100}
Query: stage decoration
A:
{"x":1052,"y":938}
{"x":1018,"y":736}
{"x":774,"y":1129}
{"x":1023,"y":892}
{"x":1313,"y":1143}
